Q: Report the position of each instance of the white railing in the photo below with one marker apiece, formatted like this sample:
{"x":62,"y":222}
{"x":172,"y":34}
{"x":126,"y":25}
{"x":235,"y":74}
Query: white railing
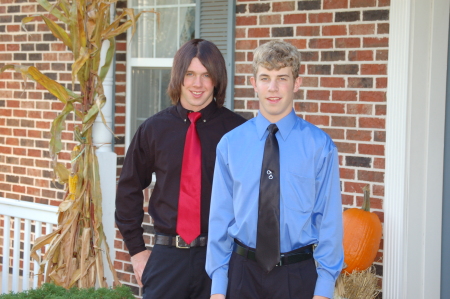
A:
{"x":41,"y":215}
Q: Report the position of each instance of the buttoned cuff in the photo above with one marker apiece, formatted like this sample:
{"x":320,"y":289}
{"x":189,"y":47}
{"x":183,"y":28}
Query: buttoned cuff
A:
{"x":324,"y":287}
{"x":219,"y":282}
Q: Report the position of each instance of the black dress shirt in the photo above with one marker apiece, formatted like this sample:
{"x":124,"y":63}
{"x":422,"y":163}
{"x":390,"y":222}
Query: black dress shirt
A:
{"x":157,"y":147}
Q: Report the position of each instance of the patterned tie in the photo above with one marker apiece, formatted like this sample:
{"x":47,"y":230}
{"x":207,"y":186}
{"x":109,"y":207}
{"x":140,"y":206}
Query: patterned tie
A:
{"x":268,"y":234}
{"x":188,"y":222}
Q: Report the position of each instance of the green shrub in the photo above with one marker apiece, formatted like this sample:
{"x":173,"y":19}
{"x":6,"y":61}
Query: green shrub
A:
{"x":51,"y":291}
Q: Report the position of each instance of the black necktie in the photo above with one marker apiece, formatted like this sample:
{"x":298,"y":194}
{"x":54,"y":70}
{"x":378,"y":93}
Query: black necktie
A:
{"x":268,"y":234}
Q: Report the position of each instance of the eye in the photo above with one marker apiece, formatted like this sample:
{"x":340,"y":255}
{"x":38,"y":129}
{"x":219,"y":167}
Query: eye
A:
{"x":188,"y":74}
{"x":206,"y":75}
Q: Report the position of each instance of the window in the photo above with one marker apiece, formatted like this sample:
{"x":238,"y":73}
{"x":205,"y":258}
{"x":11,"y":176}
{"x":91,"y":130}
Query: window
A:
{"x":150,"y":53}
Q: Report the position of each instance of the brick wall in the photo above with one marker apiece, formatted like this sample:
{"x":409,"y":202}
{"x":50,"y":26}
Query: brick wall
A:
{"x":344,"y":52}
{"x":344,"y":47}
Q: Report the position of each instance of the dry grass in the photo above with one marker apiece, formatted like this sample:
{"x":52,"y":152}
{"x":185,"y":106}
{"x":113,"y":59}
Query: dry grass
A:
{"x":357,"y":285}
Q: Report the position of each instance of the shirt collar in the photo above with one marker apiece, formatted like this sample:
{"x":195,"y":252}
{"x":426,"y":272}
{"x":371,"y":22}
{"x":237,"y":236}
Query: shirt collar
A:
{"x":206,"y":112}
{"x":285,"y":125}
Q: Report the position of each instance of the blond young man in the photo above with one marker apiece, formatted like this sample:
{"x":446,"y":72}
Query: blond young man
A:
{"x":308,"y":201}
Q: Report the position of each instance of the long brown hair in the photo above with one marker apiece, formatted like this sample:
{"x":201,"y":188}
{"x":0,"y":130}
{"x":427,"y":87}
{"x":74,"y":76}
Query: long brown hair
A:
{"x":211,"y":58}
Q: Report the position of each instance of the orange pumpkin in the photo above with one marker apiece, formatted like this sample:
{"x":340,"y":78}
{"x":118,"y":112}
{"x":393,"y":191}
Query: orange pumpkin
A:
{"x":362,"y":236}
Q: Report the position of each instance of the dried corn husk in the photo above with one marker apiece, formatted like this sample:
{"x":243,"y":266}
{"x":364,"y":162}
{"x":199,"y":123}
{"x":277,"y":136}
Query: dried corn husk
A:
{"x":357,"y":285}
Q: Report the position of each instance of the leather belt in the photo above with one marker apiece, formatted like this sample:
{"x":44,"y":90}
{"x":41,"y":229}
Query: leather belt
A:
{"x":291,"y":257}
{"x":178,"y":242}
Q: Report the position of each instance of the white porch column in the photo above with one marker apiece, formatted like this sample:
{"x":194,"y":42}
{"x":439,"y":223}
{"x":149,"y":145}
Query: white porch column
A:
{"x":107,"y":161}
{"x":414,"y":148}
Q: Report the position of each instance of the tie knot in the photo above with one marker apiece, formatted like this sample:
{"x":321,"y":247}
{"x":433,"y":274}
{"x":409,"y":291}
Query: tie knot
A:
{"x":272,"y":128}
{"x":194,"y":116}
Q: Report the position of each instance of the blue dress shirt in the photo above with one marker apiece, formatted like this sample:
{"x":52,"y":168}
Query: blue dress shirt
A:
{"x":310,"y":200}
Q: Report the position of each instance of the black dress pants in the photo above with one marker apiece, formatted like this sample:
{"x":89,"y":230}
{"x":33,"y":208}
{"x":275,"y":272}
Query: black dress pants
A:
{"x":247,"y":280}
{"x":174,"y":273}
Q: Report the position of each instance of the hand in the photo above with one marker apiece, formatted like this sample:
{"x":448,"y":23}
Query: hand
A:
{"x":139,"y":260}
{"x":217,"y":296}
{"x":320,"y":297}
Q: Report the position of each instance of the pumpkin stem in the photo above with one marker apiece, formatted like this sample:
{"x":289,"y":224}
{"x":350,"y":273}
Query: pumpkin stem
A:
{"x":366,"y":202}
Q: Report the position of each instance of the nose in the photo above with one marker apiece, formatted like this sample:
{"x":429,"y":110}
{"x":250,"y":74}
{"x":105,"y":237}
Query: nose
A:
{"x":273,"y":85}
{"x":197,"y":81}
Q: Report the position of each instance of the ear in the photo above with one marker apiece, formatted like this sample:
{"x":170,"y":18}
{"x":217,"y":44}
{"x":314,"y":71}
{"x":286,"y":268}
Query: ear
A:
{"x":253,"y":82}
{"x":297,"y":83}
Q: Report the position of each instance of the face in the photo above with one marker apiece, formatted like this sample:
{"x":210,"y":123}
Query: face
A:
{"x":198,"y":89}
{"x":275,"y":91}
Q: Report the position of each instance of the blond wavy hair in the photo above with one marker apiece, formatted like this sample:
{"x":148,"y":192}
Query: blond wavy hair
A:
{"x":276,"y":54}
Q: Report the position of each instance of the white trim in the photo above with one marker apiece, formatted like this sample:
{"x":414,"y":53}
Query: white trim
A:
{"x":414,"y":148}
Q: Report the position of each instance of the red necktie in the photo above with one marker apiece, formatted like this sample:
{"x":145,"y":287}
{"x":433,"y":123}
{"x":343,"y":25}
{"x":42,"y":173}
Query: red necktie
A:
{"x":188,"y":222}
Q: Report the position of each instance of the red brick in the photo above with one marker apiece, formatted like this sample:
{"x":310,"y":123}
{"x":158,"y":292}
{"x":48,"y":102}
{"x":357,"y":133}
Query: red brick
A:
{"x":332,"y":82}
{"x":335,"y":133}
{"x":320,"y":17}
{"x":366,"y":55}
{"x":298,"y":43}
{"x":371,"y":176}
{"x":18,"y":189}
{"x":12,"y":141}
{"x":380,"y":109}
{"x":371,"y":149}
{"x":244,"y":69}
{"x":309,"y":107}
{"x":373,"y":69}
{"x":373,"y":42}
{"x":283,"y":6}
{"x":381,"y":82}
{"x":258,"y":32}
{"x":244,"y":92}
{"x":28,"y":8}
{"x":271,"y":19}
{"x":321,"y":43}
{"x":363,"y":3}
{"x":379,"y":163}
{"x":362,"y":29}
{"x":332,"y":108}
{"x":346,"y":147}
{"x":343,"y":121}
{"x":346,"y":173}
{"x":334,"y":4}
{"x":378,"y":190}
{"x":334,"y":30}
{"x":5,"y":112}
{"x":369,"y":122}
{"x":382,"y":55}
{"x":253,"y":104}
{"x":353,"y":187}
{"x":347,"y":199}
{"x":318,"y":120}
{"x":246,"y":44}
{"x":359,"y":135}
{"x":122,"y":256}
{"x":321,"y":95}
{"x":372,"y":96}
{"x":299,"y":18}
{"x":384,"y":2}
{"x":34,"y":153}
{"x":344,"y":95}
{"x":20,"y":132}
{"x":383,"y":28}
{"x":359,"y":109}
{"x":310,"y":82}
{"x":308,"y":31}
{"x":348,"y":43}
{"x":19,"y":151}
{"x":65,"y":57}
{"x":12,"y":47}
{"x":246,"y":21}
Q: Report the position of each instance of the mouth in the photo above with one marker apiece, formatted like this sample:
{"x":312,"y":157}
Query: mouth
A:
{"x":197,"y":94}
{"x":273,"y":100}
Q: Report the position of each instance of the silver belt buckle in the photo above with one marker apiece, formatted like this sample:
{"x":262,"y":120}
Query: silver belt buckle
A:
{"x":179,"y":243}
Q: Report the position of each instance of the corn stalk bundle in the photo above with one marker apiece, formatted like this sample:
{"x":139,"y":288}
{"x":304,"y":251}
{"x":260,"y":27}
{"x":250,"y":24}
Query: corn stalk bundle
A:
{"x":357,"y":285}
{"x":74,"y":256}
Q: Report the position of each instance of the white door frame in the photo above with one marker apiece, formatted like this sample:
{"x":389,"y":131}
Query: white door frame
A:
{"x":415,"y":125}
